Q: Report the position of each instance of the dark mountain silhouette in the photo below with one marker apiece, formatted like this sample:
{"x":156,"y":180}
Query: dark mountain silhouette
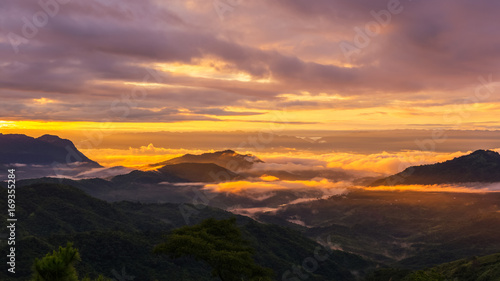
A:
{"x":479,"y":166}
{"x":145,"y":177}
{"x":45,"y":150}
{"x":183,"y":172}
{"x":228,"y":159}
{"x":200,"y":172}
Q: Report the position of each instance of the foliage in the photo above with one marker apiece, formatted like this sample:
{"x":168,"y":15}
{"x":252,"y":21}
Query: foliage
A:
{"x":218,"y":243}
{"x":112,"y":236}
{"x":412,"y":230}
{"x":485,"y":268}
{"x":424,"y":276}
{"x":58,"y":266}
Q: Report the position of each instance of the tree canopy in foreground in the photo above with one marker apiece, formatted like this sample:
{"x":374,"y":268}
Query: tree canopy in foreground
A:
{"x":218,"y":243}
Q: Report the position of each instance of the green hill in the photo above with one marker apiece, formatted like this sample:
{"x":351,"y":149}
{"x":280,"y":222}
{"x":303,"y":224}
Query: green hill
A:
{"x":112,"y":236}
{"x":413,"y":230}
{"x":486,"y":268}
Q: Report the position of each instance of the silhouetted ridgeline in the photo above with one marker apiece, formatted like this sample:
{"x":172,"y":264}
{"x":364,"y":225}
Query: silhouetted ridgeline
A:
{"x":480,"y":166}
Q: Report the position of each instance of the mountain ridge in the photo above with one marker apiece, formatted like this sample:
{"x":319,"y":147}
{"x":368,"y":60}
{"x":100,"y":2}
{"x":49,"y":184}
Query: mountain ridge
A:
{"x":228,"y":159}
{"x":46,"y":149}
{"x":479,"y":166}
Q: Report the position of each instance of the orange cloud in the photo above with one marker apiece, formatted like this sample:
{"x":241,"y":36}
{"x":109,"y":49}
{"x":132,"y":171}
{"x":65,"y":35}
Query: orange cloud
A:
{"x":263,"y":186}
{"x":386,"y":163}
{"x":475,"y":188}
{"x":43,"y":101}
{"x":269,"y":178}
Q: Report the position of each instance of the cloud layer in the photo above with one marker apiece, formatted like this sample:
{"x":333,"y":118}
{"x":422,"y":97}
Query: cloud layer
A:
{"x":176,"y":61}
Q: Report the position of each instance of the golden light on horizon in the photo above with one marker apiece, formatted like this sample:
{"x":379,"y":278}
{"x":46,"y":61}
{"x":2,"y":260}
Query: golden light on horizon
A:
{"x":381,"y":118}
{"x":6,"y":124}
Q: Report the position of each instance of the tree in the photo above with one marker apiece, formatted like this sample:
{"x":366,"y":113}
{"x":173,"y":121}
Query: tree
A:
{"x":220,"y":245}
{"x":59,"y":266}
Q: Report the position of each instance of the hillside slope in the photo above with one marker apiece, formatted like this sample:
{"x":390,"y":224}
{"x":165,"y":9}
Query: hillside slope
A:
{"x":479,"y":166}
{"x":45,"y":150}
{"x":122,"y":235}
{"x":485,"y":268}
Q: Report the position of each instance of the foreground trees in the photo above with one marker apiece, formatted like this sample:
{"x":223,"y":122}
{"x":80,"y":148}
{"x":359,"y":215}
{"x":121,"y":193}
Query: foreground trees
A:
{"x":59,"y":266}
{"x":219,"y":244}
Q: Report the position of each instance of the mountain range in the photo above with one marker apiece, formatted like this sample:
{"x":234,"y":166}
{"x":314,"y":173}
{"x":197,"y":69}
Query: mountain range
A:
{"x":481,"y":166}
{"x":52,"y":156}
{"x":125,"y":213}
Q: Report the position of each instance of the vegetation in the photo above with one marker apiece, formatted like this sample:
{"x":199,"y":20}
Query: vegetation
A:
{"x":115,"y":236}
{"x":403,"y":231}
{"x":485,"y":268}
{"x":412,"y":230}
{"x":218,"y":243}
{"x":59,"y":266}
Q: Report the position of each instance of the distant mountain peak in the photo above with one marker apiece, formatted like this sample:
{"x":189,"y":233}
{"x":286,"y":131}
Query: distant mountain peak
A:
{"x":228,"y":159}
{"x":42,"y":156}
{"x":48,"y":136}
{"x":478,"y":155}
{"x":56,"y":140}
{"x":488,"y":153}
{"x":478,"y":166}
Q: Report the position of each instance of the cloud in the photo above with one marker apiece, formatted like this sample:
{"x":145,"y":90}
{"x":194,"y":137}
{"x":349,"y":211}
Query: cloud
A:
{"x":104,"y":172}
{"x":386,"y":163}
{"x":90,"y":54}
{"x":460,"y":188}
{"x":251,"y":212}
{"x":354,"y":164}
{"x":136,"y":158}
{"x":323,"y":185}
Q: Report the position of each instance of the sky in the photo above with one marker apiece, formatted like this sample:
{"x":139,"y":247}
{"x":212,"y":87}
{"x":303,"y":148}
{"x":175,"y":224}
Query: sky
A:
{"x":80,"y":68}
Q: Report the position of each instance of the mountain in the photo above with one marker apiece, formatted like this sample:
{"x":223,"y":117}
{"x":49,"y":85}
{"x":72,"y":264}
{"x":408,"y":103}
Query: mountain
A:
{"x":479,"y":166}
{"x":409,"y":229}
{"x":228,"y":159}
{"x":182,"y":172}
{"x":200,"y":172}
{"x":485,"y":268}
{"x":47,"y":155}
{"x":112,"y":236}
{"x":45,"y":150}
